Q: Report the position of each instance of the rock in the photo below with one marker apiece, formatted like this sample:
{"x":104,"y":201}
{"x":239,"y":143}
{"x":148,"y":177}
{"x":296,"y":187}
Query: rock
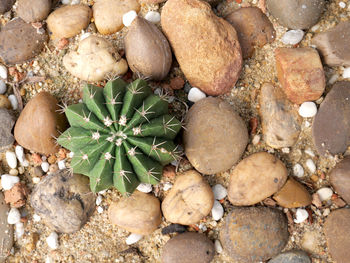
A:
{"x":312,"y":241}
{"x":301,"y":14}
{"x":253,"y":29}
{"x":152,"y":1}
{"x":7,"y":121}
{"x":298,"y":170}
{"x":17,"y":195}
{"x":108,"y":14}
{"x":4,"y":102}
{"x":8,"y":181}
{"x":188,"y":247}
{"x":3,"y":72}
{"x":129,"y":17}
{"x":255,"y":178}
{"x":325,"y":193}
{"x":33,"y":10}
{"x":195,"y":95}
{"x":301,"y":215}
{"x":293,"y":256}
{"x":2,"y":87}
{"x":6,"y":5}
{"x":254,"y":234}
{"x":68,"y":21}
{"x":337,"y":231}
{"x":94,"y":60}
{"x":52,"y":241}
{"x":219,"y":191}
{"x":64,"y":201}
{"x":334,"y":44}
{"x":39,"y":123}
{"x":217,"y":211}
{"x":307,"y":109}
{"x":207,"y":49}
{"x":280,"y":121}
{"x":153,"y":17}
{"x":331,"y":126}
{"x":310,"y":165}
{"x":215,"y":136}
{"x":139,"y":213}
{"x":133,"y":238}
{"x":147,"y":50}
{"x":6,"y":231}
{"x":292,"y":37}
{"x":20,"y":42}
{"x":300,"y":73}
{"x":189,"y":200}
{"x":13,"y":100}
{"x":292,"y":195}
{"x":340,"y":179}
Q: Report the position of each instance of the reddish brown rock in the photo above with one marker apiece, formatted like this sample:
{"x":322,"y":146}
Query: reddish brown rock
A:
{"x":17,"y":195}
{"x":340,"y":179}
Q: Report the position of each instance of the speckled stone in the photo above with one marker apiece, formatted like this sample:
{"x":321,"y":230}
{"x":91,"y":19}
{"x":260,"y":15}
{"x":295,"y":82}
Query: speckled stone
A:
{"x":340,"y":179}
{"x":294,"y":256}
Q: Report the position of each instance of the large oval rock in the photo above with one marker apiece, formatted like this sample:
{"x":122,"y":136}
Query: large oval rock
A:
{"x":207,"y":49}
{"x":33,"y":10}
{"x":331,"y":126}
{"x":64,"y":201}
{"x":188,"y":248}
{"x":294,"y":256}
{"x":337,"y":231}
{"x":215,"y":136}
{"x":254,"y":234}
{"x":6,"y":231}
{"x":256,"y":177}
{"x":139,"y":213}
{"x":280,"y":120}
{"x":7,"y":121}
{"x":340,"y":179}
{"x":20,"y":42}
{"x":189,"y":200}
{"x":39,"y":124}
{"x":301,"y":14}
{"x":5,"y":5}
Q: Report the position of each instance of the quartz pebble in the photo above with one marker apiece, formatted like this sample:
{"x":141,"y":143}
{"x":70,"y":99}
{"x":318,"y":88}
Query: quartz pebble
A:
{"x":195,"y":94}
{"x":11,"y":159}
{"x":145,"y":188}
{"x":307,"y":109}
{"x":8,"y":181}
{"x":61,"y":164}
{"x":100,"y":209}
{"x":129,"y":17}
{"x":3,"y":72}
{"x":293,"y":37}
{"x":133,"y":238}
{"x":298,"y":170}
{"x":2,"y":87}
{"x":19,"y":227}
{"x":301,"y":215}
{"x":218,"y":246}
{"x":153,"y":16}
{"x":167,"y":186}
{"x":342,"y":4}
{"x":217,"y":211}
{"x":14,"y":216}
{"x":311,"y":165}
{"x":36,"y":218}
{"x":52,"y":240}
{"x":98,"y":199}
{"x":14,"y":103}
{"x":219,"y":191}
{"x":45,"y":166}
{"x":346,"y":73}
{"x":325,"y":193}
{"x":20,"y":153}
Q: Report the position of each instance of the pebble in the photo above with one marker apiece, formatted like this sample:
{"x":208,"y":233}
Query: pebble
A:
{"x":133,"y":238}
{"x":45,"y":166}
{"x":2,"y":87}
{"x":325,"y":193}
{"x":307,"y":109}
{"x":19,"y":229}
{"x":20,"y":153}
{"x":300,"y":215}
{"x":14,"y":103}
{"x":342,"y":4}
{"x":61,"y":164}
{"x":309,"y":152}
{"x":36,"y":218}
{"x":129,"y":17}
{"x":293,"y":37}
{"x":98,"y":199}
{"x":52,"y":240}
{"x":100,"y":209}
{"x":346,"y":73}
{"x":145,"y":188}
{"x":13,"y":172}
{"x":153,"y":17}
{"x":8,"y":181}
{"x":218,"y":246}
{"x":219,"y":191}
{"x":6,"y":230}
{"x":340,"y":179}
{"x":14,"y":216}
{"x":36,"y":180}
{"x":293,"y":256}
{"x":217,"y":211}
{"x":3,"y":72}
{"x":195,"y":94}
{"x":256,"y":139}
{"x":311,"y":165}
{"x":167,"y":186}
{"x":11,"y":159}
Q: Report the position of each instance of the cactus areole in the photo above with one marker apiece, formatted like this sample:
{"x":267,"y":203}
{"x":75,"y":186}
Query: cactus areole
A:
{"x":120,"y":135}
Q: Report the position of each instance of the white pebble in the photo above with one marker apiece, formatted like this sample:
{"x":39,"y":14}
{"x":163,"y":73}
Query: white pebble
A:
{"x":129,"y":17}
{"x":333,"y":79}
{"x":202,"y":227}
{"x":293,"y":37}
{"x":85,"y":35}
{"x":14,"y":216}
{"x":8,"y":181}
{"x":11,"y":159}
{"x":99,"y":200}
{"x":325,"y":193}
{"x":167,"y":186}
{"x":52,"y":241}
{"x":285,"y":150}
{"x":2,"y":87}
{"x":36,"y":180}
{"x":219,"y":191}
{"x":153,"y":17}
{"x":19,"y":227}
{"x":298,"y":170}
{"x":133,"y":238}
{"x":307,"y":124}
{"x":45,"y":166}
{"x":217,"y":211}
{"x":36,"y":218}
{"x":342,"y":4}
{"x":346,"y":73}
{"x":3,"y":72}
{"x":307,"y":109}
{"x":218,"y":246}
{"x":100,"y":209}
{"x":256,"y":139}
{"x":196,"y":94}
{"x":309,"y":152}
{"x":145,"y":188}
{"x":102,"y":192}
{"x":19,"y":153}
{"x":61,"y":164}
{"x":14,"y":103}
{"x":311,"y":165}
{"x":71,"y":155}
{"x":301,"y":215}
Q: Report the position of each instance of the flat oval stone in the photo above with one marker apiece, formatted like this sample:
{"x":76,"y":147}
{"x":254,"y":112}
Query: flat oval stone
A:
{"x":6,"y":231}
{"x":331,"y":126}
{"x":33,"y":10}
{"x":5,"y":5}
{"x":253,"y":234}
{"x":340,"y":179}
{"x":294,"y":256}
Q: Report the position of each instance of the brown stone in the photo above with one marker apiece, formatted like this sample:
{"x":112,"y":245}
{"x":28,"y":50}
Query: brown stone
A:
{"x":5,"y":5}
{"x":17,"y":195}
{"x":4,"y":102}
{"x":340,"y":179}
{"x":33,"y":10}
{"x":7,"y":121}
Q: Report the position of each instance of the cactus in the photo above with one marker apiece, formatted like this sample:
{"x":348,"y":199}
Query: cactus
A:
{"x":120,"y":135}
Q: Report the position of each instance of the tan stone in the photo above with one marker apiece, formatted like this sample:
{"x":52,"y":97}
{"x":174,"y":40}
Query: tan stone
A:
{"x":4,"y":102}
{"x":33,"y":10}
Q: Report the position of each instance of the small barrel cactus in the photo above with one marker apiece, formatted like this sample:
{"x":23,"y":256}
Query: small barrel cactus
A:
{"x":120,"y":135}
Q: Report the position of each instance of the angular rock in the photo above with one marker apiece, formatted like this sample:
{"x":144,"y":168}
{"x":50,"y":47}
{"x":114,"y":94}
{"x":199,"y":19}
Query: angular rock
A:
{"x":207,"y":49}
{"x":253,"y":27}
{"x":215,"y":136}
{"x":280,"y":120}
{"x":255,"y":178}
{"x":301,"y":14}
{"x":20,"y":42}
{"x":33,"y":10}
{"x":64,"y":201}
{"x":331,"y":126}
{"x":17,"y":195}
{"x":340,"y":179}
{"x":293,"y":256}
{"x":254,"y":234}
{"x":300,"y":73}
{"x":6,"y":231}
{"x":7,"y":121}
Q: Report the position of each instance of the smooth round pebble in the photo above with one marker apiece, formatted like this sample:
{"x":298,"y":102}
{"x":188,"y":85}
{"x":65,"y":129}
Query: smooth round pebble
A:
{"x":307,"y":109}
{"x":45,"y":166}
{"x":217,"y":211}
{"x":293,"y":256}
{"x":8,"y":181}
{"x":129,"y":17}
{"x":301,"y":215}
{"x":19,"y":229}
{"x":145,"y":188}
{"x":325,"y":193}
{"x":153,"y":16}
{"x":20,"y":153}
{"x":100,"y":210}
{"x":218,"y":246}
{"x":196,"y":94}
{"x":52,"y":240}
{"x":98,"y":199}
{"x":61,"y":164}
{"x":13,"y":100}
{"x":310,"y":165}
{"x":298,"y":170}
{"x":133,"y":238}
{"x":3,"y":72}
{"x":2,"y":87}
{"x":293,"y":37}
{"x":346,"y":73}
{"x":11,"y":159}
{"x":14,"y":216}
{"x":340,"y":179}
{"x":219,"y":191}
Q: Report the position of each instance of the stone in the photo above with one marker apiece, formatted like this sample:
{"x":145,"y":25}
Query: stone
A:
{"x":189,"y":200}
{"x":281,"y":124}
{"x":301,"y":14}
{"x":108,"y":14}
{"x":312,"y":241}
{"x":3,"y":87}
{"x":4,"y":102}
{"x":6,"y":5}
{"x":20,"y":42}
{"x":253,"y":27}
{"x":334,"y":44}
{"x":68,"y":21}
{"x":337,"y":231}
{"x":293,"y":256}
{"x":324,"y":193}
{"x":7,"y":121}
{"x":195,"y":95}
{"x":340,"y":179}
{"x":215,"y":136}
{"x":292,"y":195}
{"x":153,"y":17}
{"x":152,"y":1}
{"x":188,"y":247}
{"x":301,"y":215}
{"x":39,"y":124}
{"x":140,"y":213}
{"x":254,"y":234}
{"x":207,"y":49}
{"x":331,"y":126}
{"x":307,"y":109}
{"x":300,"y":72}
{"x":133,"y":238}
{"x":17,"y":195}
{"x":6,"y":231}
{"x":129,"y":17}
{"x":64,"y":201}
{"x":255,"y":178}
{"x":33,"y":10}
{"x":293,"y":37}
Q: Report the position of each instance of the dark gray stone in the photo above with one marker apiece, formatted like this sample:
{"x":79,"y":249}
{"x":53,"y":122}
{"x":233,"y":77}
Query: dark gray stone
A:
{"x":7,"y":121}
{"x":6,"y":5}
{"x":294,"y":256}
{"x":6,"y":230}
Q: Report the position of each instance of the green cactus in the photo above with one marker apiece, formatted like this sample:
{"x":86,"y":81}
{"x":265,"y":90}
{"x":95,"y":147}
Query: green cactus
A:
{"x":120,"y":135}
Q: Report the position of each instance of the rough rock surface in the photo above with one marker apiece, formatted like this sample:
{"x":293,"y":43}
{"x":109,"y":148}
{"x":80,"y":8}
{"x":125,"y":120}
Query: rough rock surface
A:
{"x":7,"y":121}
{"x":340,"y":179}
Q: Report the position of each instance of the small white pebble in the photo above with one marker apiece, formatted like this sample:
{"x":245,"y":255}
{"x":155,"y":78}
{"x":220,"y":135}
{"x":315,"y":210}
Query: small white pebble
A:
{"x":310,"y":165}
{"x":133,"y":238}
{"x":14,"y":216}
{"x":102,"y":192}
{"x":167,"y":186}
{"x":145,"y":188}
{"x":61,"y":164}
{"x":293,"y":37}
{"x":219,"y":191}
{"x":3,"y":72}
{"x":71,"y":155}
{"x":309,"y":152}
{"x":153,"y":17}
{"x":301,"y":215}
{"x":129,"y":17}
{"x":256,"y":139}
{"x":285,"y":150}
{"x":307,"y":124}
{"x":14,"y":103}
{"x":99,"y":200}
{"x":36,"y":218}
{"x":217,"y":211}
{"x":346,"y":73}
{"x":298,"y":170}
{"x":19,"y":153}
{"x":2,"y":87}
{"x":100,"y":209}
{"x":307,"y":109}
{"x":11,"y":159}
{"x":326,"y":212}
{"x":202,"y":227}
{"x":315,"y":27}
{"x":333,"y":79}
{"x":342,"y":4}
{"x":52,"y":241}
{"x":45,"y":166}
{"x":8,"y":181}
{"x":36,"y":180}
{"x":19,"y":227}
{"x":325,"y":193}
{"x":85,"y":35}
{"x":196,"y":94}
{"x":218,"y":247}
